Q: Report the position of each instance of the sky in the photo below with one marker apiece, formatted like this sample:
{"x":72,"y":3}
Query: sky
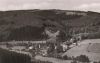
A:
{"x":84,"y":5}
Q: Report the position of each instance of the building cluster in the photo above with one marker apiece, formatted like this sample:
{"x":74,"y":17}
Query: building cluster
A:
{"x":45,"y":48}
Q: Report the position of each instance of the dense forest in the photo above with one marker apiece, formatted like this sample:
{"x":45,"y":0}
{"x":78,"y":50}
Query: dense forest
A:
{"x":30,"y":24}
{"x":13,"y":57}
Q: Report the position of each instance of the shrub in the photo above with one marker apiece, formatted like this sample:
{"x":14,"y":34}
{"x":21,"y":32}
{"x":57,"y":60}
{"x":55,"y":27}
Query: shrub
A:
{"x":65,"y":57}
{"x":82,"y":58}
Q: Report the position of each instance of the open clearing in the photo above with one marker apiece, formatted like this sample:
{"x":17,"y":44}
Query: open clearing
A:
{"x":90,"y":48}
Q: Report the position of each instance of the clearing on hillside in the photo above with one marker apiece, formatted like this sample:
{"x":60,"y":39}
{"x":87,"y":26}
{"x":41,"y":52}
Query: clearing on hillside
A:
{"x":90,"y":48}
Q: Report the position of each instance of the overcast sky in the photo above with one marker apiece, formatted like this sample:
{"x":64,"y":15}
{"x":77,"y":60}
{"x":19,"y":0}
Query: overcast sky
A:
{"x":87,"y":5}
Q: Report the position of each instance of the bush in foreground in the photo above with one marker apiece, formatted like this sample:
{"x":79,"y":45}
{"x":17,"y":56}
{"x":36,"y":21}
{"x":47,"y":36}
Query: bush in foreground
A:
{"x":82,"y":58}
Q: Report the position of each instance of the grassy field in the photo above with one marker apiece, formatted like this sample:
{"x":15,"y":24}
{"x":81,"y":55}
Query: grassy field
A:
{"x":95,"y":48}
{"x":90,"y":48}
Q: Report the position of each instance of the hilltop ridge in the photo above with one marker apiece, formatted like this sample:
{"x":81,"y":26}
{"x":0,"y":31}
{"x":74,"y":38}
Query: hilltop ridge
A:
{"x":67,"y":21}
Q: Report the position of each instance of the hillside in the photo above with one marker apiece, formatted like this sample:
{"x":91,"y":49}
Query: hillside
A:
{"x":33,"y":22}
{"x":90,"y":48}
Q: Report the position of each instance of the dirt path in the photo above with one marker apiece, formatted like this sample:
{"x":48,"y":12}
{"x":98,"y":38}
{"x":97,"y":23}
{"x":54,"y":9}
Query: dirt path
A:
{"x":53,"y":60}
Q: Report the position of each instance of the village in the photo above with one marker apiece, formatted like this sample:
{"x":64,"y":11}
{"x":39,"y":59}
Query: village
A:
{"x":49,"y":31}
{"x":46,"y":48}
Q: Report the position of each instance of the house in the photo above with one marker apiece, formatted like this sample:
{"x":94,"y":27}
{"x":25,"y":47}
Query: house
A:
{"x":65,"y":47}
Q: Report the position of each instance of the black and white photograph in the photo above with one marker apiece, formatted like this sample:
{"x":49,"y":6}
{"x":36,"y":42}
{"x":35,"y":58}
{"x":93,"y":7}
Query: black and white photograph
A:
{"x":49,"y":31}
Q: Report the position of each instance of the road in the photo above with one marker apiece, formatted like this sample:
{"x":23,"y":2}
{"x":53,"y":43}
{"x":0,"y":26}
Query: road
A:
{"x":53,"y":60}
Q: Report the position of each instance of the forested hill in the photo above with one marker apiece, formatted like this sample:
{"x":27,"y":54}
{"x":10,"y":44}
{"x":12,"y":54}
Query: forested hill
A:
{"x":30,"y":24}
